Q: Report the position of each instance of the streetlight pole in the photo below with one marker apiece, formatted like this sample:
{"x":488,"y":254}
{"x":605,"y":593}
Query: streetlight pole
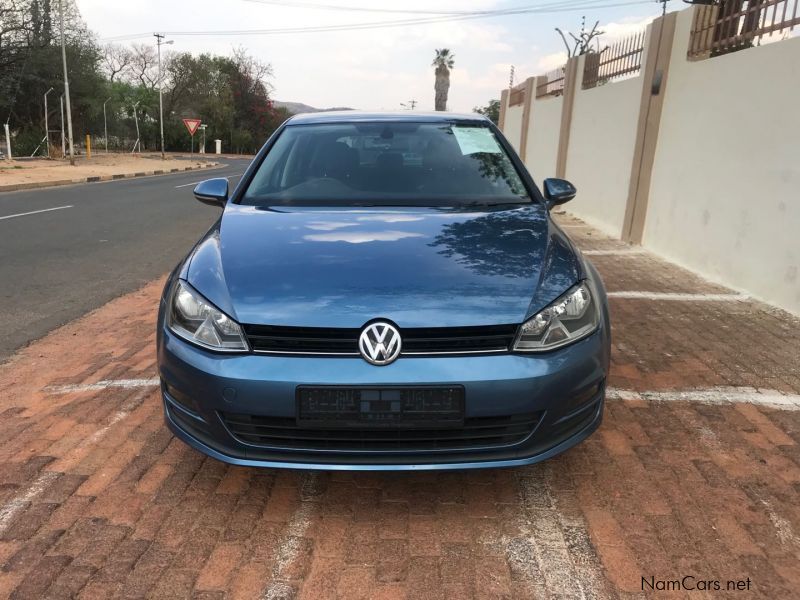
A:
{"x":46,"y":128}
{"x":105,"y":124}
{"x":66,"y":83}
{"x":159,"y":40}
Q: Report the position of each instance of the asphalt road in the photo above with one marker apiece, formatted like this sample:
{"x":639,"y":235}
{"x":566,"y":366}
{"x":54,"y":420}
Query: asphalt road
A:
{"x":83,"y":245}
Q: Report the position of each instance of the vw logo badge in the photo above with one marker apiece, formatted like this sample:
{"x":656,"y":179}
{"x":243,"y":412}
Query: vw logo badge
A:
{"x":380,"y":343}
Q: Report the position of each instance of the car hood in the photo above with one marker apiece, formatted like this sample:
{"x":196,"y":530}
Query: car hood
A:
{"x":418,"y":267}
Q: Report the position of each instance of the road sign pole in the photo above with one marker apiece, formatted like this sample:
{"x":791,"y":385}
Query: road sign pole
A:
{"x":191,"y":127}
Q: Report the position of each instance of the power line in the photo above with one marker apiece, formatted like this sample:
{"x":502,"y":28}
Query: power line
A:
{"x":318,"y":6}
{"x":559,"y":6}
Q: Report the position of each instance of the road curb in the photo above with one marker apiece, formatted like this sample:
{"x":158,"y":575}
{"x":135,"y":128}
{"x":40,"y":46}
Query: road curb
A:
{"x":16,"y":187}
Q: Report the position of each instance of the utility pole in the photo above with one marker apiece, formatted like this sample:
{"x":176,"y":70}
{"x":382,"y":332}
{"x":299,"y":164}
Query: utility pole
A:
{"x":66,"y":83}
{"x":511,"y":78}
{"x":159,"y":40}
{"x":105,"y":124}
{"x":46,"y":128}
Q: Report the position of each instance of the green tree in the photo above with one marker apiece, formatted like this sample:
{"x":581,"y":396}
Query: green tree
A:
{"x":37,"y":67}
{"x":491,"y":111}
{"x":231,"y":94}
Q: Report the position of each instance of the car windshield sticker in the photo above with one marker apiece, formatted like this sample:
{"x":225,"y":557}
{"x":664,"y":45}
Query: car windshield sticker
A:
{"x":472,"y":140}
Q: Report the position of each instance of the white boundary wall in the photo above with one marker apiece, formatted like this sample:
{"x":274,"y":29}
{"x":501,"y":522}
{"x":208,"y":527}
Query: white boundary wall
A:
{"x":724,"y":195}
{"x":513,"y":125}
{"x":725,"y":189}
{"x":543,"y":132}
{"x":600,"y":153}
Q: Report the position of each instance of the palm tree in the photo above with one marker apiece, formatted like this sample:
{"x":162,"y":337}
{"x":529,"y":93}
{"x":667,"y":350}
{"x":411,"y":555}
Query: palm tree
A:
{"x":443,"y":62}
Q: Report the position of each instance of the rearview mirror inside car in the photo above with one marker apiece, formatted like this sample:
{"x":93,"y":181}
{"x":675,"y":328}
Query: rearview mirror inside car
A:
{"x":558,"y":191}
{"x":212,"y":191}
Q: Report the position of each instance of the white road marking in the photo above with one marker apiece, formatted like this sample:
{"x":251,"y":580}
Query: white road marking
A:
{"x":716,"y":395}
{"x":289,"y":545}
{"x":102,"y":385}
{"x":202,"y":180}
{"x":679,"y":296}
{"x":12,"y":508}
{"x":124,"y":411}
{"x":17,"y":504}
{"x":552,"y":553}
{"x":619,"y":252}
{"x":783,"y":528}
{"x":35,"y":212}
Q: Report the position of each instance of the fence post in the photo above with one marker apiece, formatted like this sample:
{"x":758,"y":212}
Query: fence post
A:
{"x":701,"y":39}
{"x":654,"y":84}
{"x":591,"y":70}
{"x":503,"y":106}
{"x":571,"y":79}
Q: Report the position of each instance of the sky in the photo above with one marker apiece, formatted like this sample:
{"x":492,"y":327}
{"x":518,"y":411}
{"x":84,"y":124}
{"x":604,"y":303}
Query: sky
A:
{"x":375,"y":69}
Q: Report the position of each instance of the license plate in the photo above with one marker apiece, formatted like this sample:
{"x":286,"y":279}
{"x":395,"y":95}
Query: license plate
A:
{"x":407,"y":407}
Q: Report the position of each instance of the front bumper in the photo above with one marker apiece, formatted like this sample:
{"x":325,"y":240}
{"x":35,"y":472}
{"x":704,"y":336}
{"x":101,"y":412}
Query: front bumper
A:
{"x":564,"y":388}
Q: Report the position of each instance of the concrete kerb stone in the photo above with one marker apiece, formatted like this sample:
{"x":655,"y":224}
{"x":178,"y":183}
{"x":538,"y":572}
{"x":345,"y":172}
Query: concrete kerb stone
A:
{"x":16,"y":187}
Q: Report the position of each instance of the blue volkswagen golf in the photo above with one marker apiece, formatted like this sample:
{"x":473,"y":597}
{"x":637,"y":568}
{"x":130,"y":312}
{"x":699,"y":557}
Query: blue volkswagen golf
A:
{"x":384,"y":292}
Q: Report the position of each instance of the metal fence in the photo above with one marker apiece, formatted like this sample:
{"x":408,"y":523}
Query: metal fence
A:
{"x":737,"y":24}
{"x":553,"y":84}
{"x":624,"y":58}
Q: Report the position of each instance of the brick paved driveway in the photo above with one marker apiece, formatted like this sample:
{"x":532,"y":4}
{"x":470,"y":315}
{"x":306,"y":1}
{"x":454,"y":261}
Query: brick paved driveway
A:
{"x":695,"y":471}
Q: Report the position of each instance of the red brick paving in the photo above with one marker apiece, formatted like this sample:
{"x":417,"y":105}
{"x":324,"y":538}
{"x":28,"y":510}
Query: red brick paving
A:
{"x":664,"y":489}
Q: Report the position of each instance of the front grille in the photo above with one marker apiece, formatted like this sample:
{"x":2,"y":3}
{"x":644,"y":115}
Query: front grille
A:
{"x":476,"y":432}
{"x":416,"y":341}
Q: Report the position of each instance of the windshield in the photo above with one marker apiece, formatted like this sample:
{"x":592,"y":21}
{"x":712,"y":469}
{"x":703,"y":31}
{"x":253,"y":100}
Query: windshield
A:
{"x":386,"y":164}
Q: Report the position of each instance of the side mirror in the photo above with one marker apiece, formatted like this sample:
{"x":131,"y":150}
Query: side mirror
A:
{"x":558,"y":191}
{"x":213,"y":192}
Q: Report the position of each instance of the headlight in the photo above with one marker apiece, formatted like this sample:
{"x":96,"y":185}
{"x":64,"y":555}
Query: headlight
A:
{"x":194,"y":318}
{"x":573,"y":316}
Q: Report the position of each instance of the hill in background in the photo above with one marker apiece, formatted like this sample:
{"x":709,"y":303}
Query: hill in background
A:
{"x":298,"y":107}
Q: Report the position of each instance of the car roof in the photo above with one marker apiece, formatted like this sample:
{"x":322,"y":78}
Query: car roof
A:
{"x":406,"y":116}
